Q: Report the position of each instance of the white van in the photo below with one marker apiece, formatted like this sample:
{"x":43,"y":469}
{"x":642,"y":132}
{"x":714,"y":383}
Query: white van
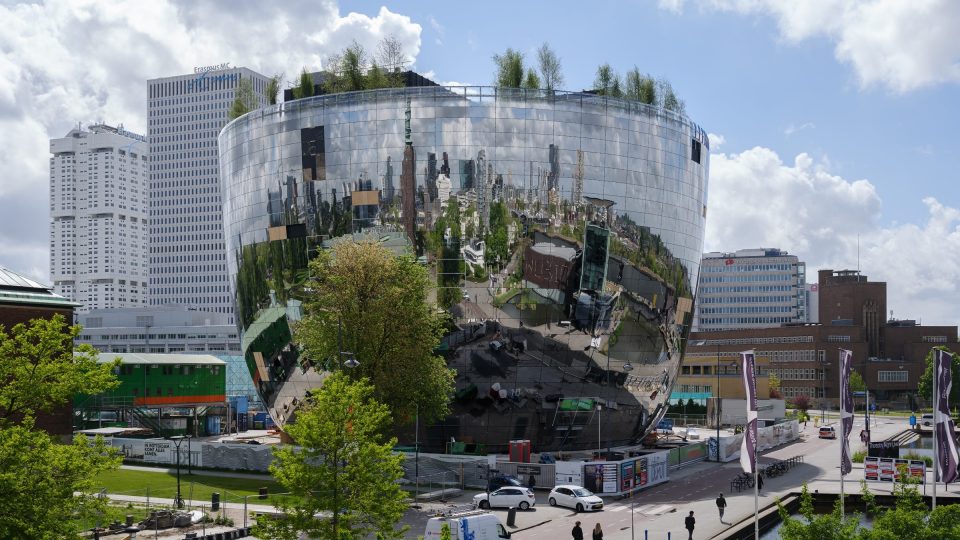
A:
{"x":476,"y":525}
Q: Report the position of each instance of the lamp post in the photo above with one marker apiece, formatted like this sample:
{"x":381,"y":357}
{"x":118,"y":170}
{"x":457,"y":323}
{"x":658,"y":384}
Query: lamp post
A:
{"x":177,"y":440}
{"x":599,"y":445}
{"x":719,"y":402}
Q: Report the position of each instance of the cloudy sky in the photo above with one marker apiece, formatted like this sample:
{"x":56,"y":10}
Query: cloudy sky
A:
{"x":831,"y":121}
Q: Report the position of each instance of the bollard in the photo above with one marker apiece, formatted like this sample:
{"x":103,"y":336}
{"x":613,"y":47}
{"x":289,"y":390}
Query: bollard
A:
{"x":214,"y":501}
{"x":512,"y":517}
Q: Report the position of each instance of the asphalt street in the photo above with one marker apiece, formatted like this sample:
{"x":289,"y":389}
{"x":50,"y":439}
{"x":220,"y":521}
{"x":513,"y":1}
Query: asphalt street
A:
{"x":660,"y":510}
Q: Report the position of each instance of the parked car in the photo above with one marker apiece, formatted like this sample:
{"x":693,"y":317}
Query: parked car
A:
{"x":502,"y":480}
{"x":506,"y":497}
{"x":926,"y":420}
{"x":693,"y":434}
{"x":827,"y":432}
{"x":576,"y":497}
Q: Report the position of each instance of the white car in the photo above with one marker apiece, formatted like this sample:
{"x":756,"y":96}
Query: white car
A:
{"x":927,"y":419}
{"x":506,"y":497}
{"x":693,"y":434}
{"x":575,"y":497}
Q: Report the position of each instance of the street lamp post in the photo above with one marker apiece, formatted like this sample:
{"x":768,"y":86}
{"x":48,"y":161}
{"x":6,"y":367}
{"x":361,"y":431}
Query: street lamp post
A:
{"x":177,"y":440}
{"x":599,"y":444}
{"x":719,"y":402}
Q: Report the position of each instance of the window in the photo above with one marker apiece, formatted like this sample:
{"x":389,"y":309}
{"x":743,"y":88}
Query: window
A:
{"x":695,"y":149}
{"x":892,"y":376}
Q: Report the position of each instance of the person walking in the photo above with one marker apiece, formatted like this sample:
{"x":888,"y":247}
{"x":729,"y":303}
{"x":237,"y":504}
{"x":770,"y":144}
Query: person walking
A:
{"x":577,"y":532}
{"x":531,"y":482}
{"x":597,"y":532}
{"x":689,"y":522}
{"x":721,"y":506}
{"x":759,"y":483}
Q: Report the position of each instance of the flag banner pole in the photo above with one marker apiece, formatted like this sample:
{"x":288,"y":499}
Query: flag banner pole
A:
{"x":944,"y":444}
{"x":846,"y":419}
{"x":748,"y":448}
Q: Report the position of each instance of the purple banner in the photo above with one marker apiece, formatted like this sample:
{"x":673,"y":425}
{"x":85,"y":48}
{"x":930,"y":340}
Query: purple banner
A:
{"x":846,"y":411}
{"x":946,"y":444}
{"x":748,"y":449}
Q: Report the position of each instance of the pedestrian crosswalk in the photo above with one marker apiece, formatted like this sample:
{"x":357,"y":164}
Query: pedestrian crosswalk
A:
{"x":645,"y":509}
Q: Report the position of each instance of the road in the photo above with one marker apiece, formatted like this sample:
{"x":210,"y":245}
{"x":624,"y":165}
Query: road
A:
{"x":695,"y":488}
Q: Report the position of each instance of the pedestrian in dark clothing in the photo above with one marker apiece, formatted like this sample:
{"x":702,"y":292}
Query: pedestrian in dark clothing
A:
{"x":531,"y":482}
{"x":759,"y":483}
{"x":597,"y":533}
{"x":689,"y":522}
{"x":721,"y":505}
{"x":577,"y":532}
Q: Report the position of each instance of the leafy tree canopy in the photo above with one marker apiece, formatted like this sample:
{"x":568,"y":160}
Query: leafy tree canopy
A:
{"x":532,"y":80}
{"x":926,"y":381}
{"x":304,"y":86}
{"x":245,"y":100}
{"x":343,"y":477}
{"x":273,"y":89}
{"x":375,"y":303}
{"x":46,"y":485}
{"x":550,"y":70}
{"x":41,"y":371}
{"x":509,"y":69}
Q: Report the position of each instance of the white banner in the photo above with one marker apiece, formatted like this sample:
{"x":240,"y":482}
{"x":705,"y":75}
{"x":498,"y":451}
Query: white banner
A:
{"x":767,"y":437}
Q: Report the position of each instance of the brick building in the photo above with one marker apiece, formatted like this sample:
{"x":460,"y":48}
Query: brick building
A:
{"x":22,"y":300}
{"x":889,"y":354}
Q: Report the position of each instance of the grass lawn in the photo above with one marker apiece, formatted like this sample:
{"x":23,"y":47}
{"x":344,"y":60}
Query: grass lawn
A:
{"x":196,"y":486}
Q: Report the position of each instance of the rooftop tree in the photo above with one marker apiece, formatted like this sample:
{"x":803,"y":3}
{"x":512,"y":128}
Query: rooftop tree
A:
{"x":509,"y":69}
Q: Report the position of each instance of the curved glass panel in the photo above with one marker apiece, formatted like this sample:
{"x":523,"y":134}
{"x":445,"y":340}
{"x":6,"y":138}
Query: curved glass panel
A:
{"x":564,"y":232}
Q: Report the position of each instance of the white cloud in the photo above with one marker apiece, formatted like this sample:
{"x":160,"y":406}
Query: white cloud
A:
{"x":757,"y":200}
{"x":65,"y":61}
{"x":437,"y":29}
{"x":791,"y":129}
{"x":900,"y":45}
{"x":716,"y":141}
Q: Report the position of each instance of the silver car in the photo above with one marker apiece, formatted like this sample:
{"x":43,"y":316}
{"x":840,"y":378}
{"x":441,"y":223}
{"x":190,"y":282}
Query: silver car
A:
{"x":576,"y":497}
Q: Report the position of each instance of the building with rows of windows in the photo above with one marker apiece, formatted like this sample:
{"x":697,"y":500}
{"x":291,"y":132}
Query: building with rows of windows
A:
{"x":98,"y":217}
{"x":185,"y":113}
{"x":889,"y":354}
{"x":751,"y":288}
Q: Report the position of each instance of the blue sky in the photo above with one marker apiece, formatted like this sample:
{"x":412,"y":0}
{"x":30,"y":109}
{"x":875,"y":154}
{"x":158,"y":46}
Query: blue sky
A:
{"x":832,"y":121}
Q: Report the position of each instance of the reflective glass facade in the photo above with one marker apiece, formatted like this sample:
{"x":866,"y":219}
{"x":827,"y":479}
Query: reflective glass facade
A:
{"x":564,"y":232}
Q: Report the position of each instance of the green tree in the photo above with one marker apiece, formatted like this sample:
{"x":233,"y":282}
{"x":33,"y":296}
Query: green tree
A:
{"x":392,"y":59}
{"x":273,"y":89}
{"x":377,"y":78}
{"x":856,"y":381}
{"x":41,"y":371}
{"x":670,"y":101}
{"x":304,"y":86}
{"x":607,"y":82}
{"x":509,"y":69}
{"x":531,"y":81}
{"x":48,"y":486}
{"x":244,"y":100}
{"x":550,"y":69}
{"x":44,"y":484}
{"x":347,"y":69}
{"x":343,"y":474}
{"x":832,"y":526}
{"x":375,"y":304}
{"x":926,"y":380}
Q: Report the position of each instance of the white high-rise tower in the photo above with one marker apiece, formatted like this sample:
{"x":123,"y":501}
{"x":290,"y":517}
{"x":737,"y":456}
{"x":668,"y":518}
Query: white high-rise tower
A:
{"x":187,"y":250}
{"x":98,"y":217}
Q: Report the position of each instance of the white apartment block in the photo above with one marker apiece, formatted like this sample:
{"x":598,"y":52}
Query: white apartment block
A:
{"x":185,"y":113}
{"x":98,"y":217}
{"x":750,"y":288}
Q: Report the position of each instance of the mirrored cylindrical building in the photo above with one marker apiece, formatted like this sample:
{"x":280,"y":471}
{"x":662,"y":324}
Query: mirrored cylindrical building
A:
{"x":564,"y":232}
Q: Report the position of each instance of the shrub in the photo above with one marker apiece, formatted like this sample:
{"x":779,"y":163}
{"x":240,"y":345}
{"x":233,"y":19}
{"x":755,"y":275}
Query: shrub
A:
{"x":917,"y":457}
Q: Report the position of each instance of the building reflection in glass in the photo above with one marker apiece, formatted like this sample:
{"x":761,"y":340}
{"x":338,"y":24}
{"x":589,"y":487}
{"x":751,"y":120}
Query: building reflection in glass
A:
{"x":564,"y":232}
